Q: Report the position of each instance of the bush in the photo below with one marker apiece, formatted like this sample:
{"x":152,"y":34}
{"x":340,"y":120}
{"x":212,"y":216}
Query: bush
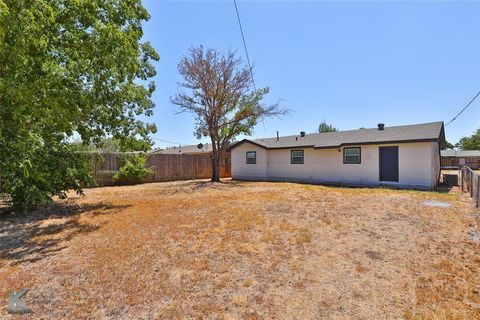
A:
{"x":133,"y":170}
{"x":33,"y":170}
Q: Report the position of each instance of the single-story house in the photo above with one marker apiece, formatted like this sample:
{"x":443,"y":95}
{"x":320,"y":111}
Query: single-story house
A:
{"x":405,"y":156}
{"x":459,"y":158}
{"x":187,"y":149}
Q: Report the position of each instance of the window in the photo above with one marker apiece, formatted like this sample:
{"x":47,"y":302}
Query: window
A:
{"x":351,"y":155}
{"x":296,"y":157}
{"x":251,"y":157}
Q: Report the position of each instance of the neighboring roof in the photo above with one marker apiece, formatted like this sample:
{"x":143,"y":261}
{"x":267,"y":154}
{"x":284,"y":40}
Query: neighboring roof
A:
{"x":423,"y":132}
{"x":460,"y":153}
{"x":189,"y":149}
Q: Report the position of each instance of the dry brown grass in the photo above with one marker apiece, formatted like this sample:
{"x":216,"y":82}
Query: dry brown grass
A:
{"x":188,"y":250}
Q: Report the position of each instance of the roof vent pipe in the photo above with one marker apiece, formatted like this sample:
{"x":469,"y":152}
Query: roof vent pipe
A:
{"x":277,"y":137}
{"x":302,"y":134}
{"x":381,"y":126}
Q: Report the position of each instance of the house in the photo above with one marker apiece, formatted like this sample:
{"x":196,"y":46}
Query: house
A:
{"x":404,"y":156}
{"x":188,"y":149}
{"x":459,"y":158}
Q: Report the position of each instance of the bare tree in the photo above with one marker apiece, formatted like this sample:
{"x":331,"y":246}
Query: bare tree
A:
{"x":217,"y":88}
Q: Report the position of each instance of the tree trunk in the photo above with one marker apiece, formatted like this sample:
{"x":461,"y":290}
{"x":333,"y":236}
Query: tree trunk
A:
{"x":215,"y":162}
{"x":216,"y":167}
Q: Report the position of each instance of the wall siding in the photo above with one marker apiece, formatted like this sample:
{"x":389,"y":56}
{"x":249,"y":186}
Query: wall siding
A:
{"x":241,"y":169}
{"x":418,"y":165}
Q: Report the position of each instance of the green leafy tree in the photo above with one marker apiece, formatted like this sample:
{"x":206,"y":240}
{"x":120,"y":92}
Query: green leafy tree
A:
{"x":471,"y":142}
{"x":68,"y":69}
{"x":36,"y":171}
{"x":125,"y":145}
{"x":217,"y":88}
{"x":109,"y":145}
{"x":450,"y":145}
{"x":325,"y":127}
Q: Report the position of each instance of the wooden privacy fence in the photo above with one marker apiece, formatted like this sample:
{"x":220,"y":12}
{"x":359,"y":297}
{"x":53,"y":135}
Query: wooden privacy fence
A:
{"x":470,"y":182}
{"x":166,"y":167}
{"x":471,"y":162}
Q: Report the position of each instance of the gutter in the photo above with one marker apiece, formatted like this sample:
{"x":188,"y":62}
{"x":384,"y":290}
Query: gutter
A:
{"x":346,"y":144}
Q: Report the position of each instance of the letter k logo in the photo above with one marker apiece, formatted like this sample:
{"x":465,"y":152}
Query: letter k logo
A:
{"x":15,"y":305}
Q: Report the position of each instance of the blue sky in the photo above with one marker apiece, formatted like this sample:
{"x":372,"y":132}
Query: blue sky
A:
{"x":353,"y":64}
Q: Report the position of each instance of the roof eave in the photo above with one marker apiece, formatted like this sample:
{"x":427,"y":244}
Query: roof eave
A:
{"x":233,"y":146}
{"x":376,"y":142}
{"x":292,"y":147}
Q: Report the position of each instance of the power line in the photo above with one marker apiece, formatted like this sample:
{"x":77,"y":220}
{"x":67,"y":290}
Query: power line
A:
{"x":248,"y":58}
{"x":171,"y":142}
{"x":244,"y":43}
{"x":465,"y":108}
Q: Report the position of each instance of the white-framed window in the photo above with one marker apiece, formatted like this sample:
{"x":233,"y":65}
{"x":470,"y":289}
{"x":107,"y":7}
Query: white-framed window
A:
{"x":296,"y":156}
{"x":352,"y":155}
{"x":251,"y":157}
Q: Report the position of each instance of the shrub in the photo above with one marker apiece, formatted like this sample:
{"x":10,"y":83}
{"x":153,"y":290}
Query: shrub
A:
{"x":33,"y":170}
{"x":133,"y":170}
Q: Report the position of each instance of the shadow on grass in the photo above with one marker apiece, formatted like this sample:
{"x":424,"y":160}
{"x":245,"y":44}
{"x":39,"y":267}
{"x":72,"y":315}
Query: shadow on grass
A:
{"x":192,"y":186}
{"x":443,"y":188}
{"x":41,"y":233}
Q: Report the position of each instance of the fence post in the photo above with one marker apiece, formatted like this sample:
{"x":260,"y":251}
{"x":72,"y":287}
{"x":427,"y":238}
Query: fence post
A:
{"x":478,"y":191}
{"x":461,"y":178}
{"x":471,"y":183}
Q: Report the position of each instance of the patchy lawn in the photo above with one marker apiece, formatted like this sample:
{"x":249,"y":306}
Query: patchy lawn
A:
{"x":189,"y":250}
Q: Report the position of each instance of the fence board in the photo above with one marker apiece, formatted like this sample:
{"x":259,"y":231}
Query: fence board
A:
{"x":166,"y":167}
{"x":470,"y":182}
{"x":471,"y":162}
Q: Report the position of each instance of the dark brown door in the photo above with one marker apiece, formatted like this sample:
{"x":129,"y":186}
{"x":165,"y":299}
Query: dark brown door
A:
{"x":389,"y":163}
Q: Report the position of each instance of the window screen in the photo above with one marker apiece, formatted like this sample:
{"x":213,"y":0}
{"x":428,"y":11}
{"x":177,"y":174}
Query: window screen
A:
{"x":251,"y":157}
{"x":351,"y":155}
{"x":296,"y":157}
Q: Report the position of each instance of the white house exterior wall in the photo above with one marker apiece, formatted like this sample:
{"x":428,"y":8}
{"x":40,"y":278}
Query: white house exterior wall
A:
{"x":419,"y":165}
{"x":242,"y":170}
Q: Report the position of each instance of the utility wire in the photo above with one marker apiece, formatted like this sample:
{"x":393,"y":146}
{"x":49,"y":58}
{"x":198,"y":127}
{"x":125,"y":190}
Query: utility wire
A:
{"x":248,"y":58}
{"x":171,"y":142}
{"x":244,"y":44}
{"x":465,"y":108}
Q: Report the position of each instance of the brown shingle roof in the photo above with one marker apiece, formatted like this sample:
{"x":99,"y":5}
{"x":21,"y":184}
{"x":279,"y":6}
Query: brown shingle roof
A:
{"x":432,"y":131}
{"x":188,"y":149}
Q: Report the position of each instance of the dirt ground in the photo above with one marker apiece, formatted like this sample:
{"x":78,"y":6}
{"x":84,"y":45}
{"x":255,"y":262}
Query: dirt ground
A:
{"x":239,"y":250}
